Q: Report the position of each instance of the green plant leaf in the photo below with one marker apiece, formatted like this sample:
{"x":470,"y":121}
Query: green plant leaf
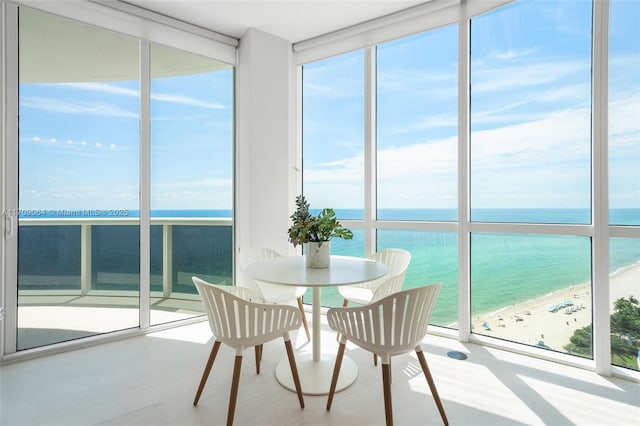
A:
{"x":307,"y":228}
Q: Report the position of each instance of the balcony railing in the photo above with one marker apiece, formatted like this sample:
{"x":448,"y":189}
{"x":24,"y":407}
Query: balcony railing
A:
{"x":101,"y":255}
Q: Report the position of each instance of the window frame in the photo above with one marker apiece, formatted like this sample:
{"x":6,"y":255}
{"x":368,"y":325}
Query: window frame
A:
{"x":598,"y":230}
{"x":132,"y":22}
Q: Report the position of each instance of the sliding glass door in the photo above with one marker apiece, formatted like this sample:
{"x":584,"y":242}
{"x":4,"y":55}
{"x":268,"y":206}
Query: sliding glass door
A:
{"x":191,"y":179}
{"x":78,"y":234}
{"x":99,"y":196}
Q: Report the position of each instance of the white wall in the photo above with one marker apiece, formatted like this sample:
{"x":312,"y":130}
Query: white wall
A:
{"x":265,"y":176}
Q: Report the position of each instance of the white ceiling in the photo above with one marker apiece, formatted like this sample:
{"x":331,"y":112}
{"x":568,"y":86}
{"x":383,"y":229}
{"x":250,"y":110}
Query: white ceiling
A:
{"x":293,"y":20}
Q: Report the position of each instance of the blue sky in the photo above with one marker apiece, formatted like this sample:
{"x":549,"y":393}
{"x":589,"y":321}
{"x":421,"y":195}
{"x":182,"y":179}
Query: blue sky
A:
{"x":79,"y":142}
{"x":530,"y":113}
{"x":530,"y":110}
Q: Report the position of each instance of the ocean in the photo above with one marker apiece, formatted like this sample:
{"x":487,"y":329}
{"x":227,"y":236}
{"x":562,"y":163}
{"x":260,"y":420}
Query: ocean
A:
{"x":505,"y":268}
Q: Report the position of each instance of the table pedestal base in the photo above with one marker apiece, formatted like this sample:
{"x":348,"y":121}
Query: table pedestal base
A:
{"x":315,"y":376}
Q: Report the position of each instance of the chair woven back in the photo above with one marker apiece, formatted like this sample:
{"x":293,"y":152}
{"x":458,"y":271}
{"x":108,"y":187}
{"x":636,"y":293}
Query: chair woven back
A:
{"x":396,"y":260}
{"x":392,"y":325}
{"x":390,"y":286}
{"x":240,"y":323}
{"x":251,"y":255}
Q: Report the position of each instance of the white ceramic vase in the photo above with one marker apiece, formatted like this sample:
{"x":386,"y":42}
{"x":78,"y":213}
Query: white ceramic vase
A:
{"x":318,"y":254}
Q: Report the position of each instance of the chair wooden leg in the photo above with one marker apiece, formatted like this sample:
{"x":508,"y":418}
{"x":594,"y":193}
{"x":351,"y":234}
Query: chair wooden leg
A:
{"x":336,"y":373}
{"x":304,"y":319}
{"x":233,"y":395}
{"x":386,"y":387}
{"x":432,"y":385}
{"x":258,"y":358}
{"x":294,"y":371}
{"x":207,"y":370}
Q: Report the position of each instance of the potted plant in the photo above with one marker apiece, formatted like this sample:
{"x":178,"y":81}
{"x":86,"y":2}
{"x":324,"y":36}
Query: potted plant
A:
{"x":315,"y":232}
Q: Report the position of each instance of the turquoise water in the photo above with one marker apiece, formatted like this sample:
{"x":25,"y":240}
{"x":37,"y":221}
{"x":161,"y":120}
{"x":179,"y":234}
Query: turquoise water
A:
{"x":505,"y":269}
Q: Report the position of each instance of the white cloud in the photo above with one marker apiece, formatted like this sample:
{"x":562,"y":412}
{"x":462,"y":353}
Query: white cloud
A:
{"x":544,"y":163}
{"x":185,"y":100}
{"x":514,"y":53}
{"x":561,"y":136}
{"x":404,"y":80}
{"x":104,"y":88}
{"x":424,"y":123}
{"x":624,"y":114}
{"x":76,"y":107}
{"x":508,"y":78}
{"x":164,"y":97}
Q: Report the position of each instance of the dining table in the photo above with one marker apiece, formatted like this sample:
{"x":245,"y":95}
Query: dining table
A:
{"x":315,"y":369}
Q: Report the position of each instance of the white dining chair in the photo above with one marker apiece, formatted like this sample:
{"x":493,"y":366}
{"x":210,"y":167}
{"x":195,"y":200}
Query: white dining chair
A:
{"x":271,"y":293}
{"x":391,"y":326}
{"x":397,"y":261}
{"x":240,"y":324}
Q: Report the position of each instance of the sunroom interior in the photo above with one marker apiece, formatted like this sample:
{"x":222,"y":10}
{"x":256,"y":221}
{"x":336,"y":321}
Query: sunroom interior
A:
{"x":144,"y":143}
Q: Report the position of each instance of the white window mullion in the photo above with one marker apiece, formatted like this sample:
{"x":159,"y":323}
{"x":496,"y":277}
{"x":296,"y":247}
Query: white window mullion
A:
{"x":145,"y":186}
{"x":295,"y":180}
{"x":370,"y":151}
{"x":9,"y":179}
{"x":600,"y":196}
{"x":464,"y":237}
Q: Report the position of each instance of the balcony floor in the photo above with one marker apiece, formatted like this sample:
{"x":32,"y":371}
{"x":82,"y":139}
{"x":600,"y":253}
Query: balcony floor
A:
{"x":47,"y":319}
{"x":151,"y":380}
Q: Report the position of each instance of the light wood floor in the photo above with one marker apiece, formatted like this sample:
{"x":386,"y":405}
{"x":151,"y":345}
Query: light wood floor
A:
{"x":151,"y":380}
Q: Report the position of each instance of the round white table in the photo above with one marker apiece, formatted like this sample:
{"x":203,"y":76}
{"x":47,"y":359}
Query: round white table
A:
{"x":315,"y":370}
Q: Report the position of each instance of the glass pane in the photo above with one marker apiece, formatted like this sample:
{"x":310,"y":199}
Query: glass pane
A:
{"x":532,"y":289}
{"x":191,"y":179}
{"x":417,"y":133}
{"x":625,"y":302}
{"x":333,"y":133}
{"x":78,"y":266}
{"x":624,"y":110}
{"x":434,"y":258}
{"x":115,"y":250}
{"x":531,"y":113}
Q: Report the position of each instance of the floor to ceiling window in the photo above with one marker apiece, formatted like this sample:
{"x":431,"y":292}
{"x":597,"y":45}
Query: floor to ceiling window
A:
{"x":417,"y":158}
{"x":530,"y":170}
{"x":530,"y":162}
{"x":81,"y":235}
{"x":79,"y":148}
{"x":417,"y":127}
{"x":333,"y":155}
{"x":191,"y":179}
{"x":333,"y":131}
{"x":624,"y":182}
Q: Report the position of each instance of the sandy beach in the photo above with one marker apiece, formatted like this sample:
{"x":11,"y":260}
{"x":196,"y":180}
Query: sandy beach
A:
{"x":532,"y":321}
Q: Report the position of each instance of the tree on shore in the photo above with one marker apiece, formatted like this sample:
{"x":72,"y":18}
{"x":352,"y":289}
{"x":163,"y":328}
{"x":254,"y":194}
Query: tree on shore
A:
{"x":625,"y":333}
{"x":580,"y":342}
